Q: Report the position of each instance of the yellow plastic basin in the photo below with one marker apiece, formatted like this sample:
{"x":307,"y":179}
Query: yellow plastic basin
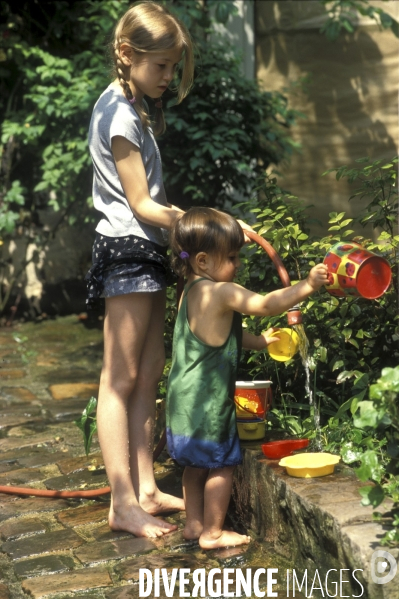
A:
{"x":310,"y":465}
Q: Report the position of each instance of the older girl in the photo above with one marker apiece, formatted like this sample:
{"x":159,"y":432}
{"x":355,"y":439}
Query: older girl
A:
{"x":129,"y":255}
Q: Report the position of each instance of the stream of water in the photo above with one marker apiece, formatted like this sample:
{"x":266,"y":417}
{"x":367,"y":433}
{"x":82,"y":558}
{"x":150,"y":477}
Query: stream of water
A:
{"x":314,"y":408}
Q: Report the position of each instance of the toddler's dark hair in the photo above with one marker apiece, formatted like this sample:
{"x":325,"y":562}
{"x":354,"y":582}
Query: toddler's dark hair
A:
{"x":203,"y":229}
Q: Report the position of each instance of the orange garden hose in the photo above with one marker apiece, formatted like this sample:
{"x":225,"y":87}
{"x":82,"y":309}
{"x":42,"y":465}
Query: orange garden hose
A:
{"x":161,"y":444}
{"x":73,"y":494}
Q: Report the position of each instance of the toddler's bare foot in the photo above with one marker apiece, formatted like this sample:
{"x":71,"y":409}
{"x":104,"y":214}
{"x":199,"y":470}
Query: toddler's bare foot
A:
{"x":135,"y":520}
{"x":159,"y":503}
{"x":227,"y":538}
{"x":192,"y":530}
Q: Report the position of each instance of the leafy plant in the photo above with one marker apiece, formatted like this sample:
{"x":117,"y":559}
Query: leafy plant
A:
{"x":352,"y":338}
{"x":229,"y":129}
{"x":53,"y":68}
{"x":380,"y":416}
{"x":353,"y":349}
{"x":343,"y":15}
{"x":88,"y":423}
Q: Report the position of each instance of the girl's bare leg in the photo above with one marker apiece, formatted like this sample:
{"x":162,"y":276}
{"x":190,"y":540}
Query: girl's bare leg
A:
{"x":142,"y":415}
{"x":127,"y":319}
{"x":216,"y":501}
{"x":193,"y":490}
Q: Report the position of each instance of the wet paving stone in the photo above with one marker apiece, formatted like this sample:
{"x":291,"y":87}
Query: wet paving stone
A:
{"x":30,"y":457}
{"x":67,"y":375}
{"x":74,"y":464}
{"x":23,"y":409}
{"x":12,"y":373}
{"x":129,"y":569}
{"x":174,"y":541}
{"x":50,"y":564}
{"x":11,"y":363}
{"x":17,"y":393}
{"x":9,"y":420}
{"x":57,"y":540}
{"x":8,"y":466}
{"x":4,"y":592}
{"x":21,"y":528}
{"x":127,"y":592}
{"x":98,"y":594}
{"x":23,"y":476}
{"x":69,"y":390}
{"x":104,"y":533}
{"x":86,"y":514}
{"x":68,"y":409}
{"x":12,"y":507}
{"x":59,"y":548}
{"x":40,"y":457}
{"x":9,"y":443}
{"x":85,"y":478}
{"x":114,"y":550}
{"x":77,"y":580}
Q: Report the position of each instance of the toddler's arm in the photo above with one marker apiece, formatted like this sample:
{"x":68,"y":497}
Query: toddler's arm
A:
{"x":258,"y":342}
{"x":235,"y":297}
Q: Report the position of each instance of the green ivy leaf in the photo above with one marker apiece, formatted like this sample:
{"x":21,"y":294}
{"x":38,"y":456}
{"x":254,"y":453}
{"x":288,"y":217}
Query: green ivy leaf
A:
{"x":88,"y":423}
{"x":372,"y":495}
{"x":370,"y":469}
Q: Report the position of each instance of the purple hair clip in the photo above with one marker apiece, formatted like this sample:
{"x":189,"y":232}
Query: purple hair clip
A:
{"x":132,"y":100}
{"x":184,"y":255}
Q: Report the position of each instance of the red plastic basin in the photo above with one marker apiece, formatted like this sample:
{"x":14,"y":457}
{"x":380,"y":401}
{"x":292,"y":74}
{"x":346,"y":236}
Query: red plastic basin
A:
{"x":274,"y":450}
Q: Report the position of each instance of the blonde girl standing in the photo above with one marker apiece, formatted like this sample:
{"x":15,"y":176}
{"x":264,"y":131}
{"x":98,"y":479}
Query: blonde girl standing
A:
{"x":200,"y":412}
{"x":129,"y":256}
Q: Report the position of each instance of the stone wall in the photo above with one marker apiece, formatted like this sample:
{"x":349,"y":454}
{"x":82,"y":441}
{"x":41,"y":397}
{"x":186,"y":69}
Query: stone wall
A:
{"x":316,"y":523}
{"x":350,"y":102}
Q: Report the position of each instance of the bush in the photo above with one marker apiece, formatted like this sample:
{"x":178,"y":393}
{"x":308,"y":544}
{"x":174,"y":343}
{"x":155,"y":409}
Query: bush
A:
{"x":54,"y":67}
{"x":353,"y":342}
{"x":350,"y":338}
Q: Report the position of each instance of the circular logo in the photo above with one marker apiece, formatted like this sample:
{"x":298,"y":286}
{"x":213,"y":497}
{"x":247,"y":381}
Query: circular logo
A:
{"x":382,"y":562}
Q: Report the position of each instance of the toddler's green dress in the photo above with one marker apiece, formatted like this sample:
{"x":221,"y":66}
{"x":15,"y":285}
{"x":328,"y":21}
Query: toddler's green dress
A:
{"x":201,"y":428}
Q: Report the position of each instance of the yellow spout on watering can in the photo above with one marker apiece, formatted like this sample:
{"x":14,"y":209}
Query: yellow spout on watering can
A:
{"x":286,"y":347}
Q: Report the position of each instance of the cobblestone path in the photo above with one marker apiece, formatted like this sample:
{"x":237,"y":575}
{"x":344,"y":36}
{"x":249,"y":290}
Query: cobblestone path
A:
{"x":63,"y":548}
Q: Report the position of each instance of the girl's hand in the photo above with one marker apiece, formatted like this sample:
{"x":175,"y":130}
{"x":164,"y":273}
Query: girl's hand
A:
{"x":268,"y":336}
{"x":318,"y":276}
{"x":245,"y":227}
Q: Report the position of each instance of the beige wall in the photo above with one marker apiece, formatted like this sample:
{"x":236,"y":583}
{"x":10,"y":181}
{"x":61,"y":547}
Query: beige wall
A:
{"x":351,"y":101}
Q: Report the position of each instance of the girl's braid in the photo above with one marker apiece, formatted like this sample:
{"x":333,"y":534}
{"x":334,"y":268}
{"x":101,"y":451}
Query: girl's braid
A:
{"x":120,"y":73}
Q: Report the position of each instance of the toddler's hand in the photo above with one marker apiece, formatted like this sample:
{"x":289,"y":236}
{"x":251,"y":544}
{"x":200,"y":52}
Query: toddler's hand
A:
{"x":267,"y":336}
{"x":318,"y":276}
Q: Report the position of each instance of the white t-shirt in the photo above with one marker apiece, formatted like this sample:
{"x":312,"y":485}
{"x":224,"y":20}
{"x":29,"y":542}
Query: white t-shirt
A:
{"x":113,"y":115}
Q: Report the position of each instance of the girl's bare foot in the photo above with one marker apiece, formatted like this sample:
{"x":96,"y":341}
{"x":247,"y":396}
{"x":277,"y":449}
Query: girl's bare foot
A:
{"x":159,"y":503}
{"x":227,"y":538}
{"x":135,"y":520}
{"x":192,"y":530}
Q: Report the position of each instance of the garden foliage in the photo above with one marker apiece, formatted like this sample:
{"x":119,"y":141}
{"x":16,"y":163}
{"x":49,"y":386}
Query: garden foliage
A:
{"x":352,"y":340}
{"x":343,"y":17}
{"x":54,"y":64}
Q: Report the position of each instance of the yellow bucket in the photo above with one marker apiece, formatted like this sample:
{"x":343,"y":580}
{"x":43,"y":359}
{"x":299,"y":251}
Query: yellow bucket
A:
{"x":251,"y":431}
{"x":286,"y":347}
{"x":252,"y":399}
{"x":310,"y":465}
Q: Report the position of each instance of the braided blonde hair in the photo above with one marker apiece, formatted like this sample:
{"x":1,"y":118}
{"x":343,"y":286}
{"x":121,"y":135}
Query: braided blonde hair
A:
{"x":148,"y":27}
